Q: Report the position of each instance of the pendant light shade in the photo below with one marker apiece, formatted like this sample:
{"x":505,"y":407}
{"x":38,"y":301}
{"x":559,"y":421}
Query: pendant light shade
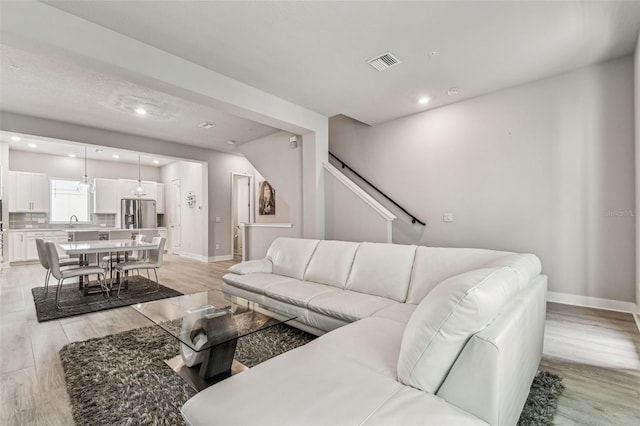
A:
{"x":85,"y":184}
{"x":139,"y":191}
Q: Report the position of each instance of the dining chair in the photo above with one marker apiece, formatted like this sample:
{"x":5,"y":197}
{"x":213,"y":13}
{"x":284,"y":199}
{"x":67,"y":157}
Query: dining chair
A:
{"x":44,"y":261}
{"x":87,"y":236}
{"x":62,"y":274}
{"x":115,"y":256}
{"x":152,"y":263}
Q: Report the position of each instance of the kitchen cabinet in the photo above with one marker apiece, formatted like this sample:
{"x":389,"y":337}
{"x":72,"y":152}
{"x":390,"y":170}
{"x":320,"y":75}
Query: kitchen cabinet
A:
{"x":105,"y":198}
{"x":29,"y":192}
{"x":160,"y":198}
{"x":22,"y":245}
{"x":128,"y":188}
{"x":17,"y":246}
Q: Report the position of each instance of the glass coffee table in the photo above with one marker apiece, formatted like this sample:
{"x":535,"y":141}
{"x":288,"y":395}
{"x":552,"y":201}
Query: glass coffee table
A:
{"x":208,"y":326}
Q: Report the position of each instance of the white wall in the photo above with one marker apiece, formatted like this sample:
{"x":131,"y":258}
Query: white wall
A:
{"x":636,"y":73}
{"x":193,"y":221}
{"x":276,"y":162}
{"x":220,"y":167}
{"x":546,"y":167}
{"x":63,"y":166}
{"x":349,"y":217}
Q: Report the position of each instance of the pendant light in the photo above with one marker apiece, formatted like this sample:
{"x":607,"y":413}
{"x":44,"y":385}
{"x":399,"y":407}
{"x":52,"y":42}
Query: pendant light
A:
{"x":85,"y":184}
{"x":139,"y":191}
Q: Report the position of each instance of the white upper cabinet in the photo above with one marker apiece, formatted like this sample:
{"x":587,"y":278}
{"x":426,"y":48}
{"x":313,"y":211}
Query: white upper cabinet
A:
{"x":105,"y":199}
{"x":28,"y":192}
{"x":129,"y":186}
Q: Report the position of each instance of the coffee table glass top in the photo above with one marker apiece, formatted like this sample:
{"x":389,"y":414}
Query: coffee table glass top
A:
{"x":223,"y":317}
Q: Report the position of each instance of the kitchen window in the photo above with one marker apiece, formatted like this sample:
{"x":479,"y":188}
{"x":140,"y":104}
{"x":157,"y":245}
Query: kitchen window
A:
{"x":68,"y":198}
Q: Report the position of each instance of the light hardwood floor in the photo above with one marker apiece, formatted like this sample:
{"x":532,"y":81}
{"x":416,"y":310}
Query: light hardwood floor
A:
{"x":596,"y":352}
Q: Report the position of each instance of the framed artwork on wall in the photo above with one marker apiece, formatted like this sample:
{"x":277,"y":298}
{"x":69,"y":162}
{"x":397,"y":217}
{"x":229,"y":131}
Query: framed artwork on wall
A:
{"x":267,"y":199}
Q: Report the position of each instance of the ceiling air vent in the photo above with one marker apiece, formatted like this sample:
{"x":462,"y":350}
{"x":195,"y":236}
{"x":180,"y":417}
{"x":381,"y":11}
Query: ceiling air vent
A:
{"x":384,"y":61}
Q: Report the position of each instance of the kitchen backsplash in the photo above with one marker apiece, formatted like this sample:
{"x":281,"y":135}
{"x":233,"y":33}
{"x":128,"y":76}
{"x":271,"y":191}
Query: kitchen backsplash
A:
{"x":41,"y":221}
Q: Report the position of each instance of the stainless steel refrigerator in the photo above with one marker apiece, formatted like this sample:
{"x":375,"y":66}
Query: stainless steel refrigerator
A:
{"x":136,"y":213}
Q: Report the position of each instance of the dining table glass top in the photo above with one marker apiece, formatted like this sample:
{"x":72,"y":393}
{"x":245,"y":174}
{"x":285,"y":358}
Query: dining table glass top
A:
{"x":102,"y":246}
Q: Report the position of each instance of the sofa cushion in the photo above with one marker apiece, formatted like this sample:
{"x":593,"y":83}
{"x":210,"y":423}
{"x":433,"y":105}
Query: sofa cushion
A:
{"x":331,"y":263}
{"x":526,"y":265}
{"x":382,"y":270}
{"x":400,"y":312}
{"x":435,"y":264}
{"x":448,"y":316}
{"x":256,"y":283}
{"x":297,"y":292}
{"x":348,"y":305}
{"x":290,"y":256}
{"x":252,"y":267}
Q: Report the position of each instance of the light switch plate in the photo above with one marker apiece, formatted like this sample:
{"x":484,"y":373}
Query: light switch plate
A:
{"x":217,"y":219}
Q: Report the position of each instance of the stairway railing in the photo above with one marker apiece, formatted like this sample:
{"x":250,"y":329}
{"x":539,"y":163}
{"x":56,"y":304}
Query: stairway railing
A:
{"x":344,"y":165}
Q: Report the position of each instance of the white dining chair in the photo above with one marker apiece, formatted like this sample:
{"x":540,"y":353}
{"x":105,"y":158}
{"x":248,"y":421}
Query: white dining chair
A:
{"x":44,"y":261}
{"x":61,"y":275}
{"x":117,"y":256}
{"x":152,"y":263}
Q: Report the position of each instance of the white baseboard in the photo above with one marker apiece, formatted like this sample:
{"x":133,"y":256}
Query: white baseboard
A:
{"x":637,"y":318}
{"x":591,"y":302}
{"x":193,"y":256}
{"x":220,"y":258}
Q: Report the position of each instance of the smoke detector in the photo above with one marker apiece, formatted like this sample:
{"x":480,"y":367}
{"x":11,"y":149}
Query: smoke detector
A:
{"x":384,"y":61}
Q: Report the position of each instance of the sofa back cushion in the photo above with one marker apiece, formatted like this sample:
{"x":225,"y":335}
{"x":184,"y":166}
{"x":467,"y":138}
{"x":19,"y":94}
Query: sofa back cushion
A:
{"x":290,"y":256}
{"x":526,"y":265}
{"x":446,"y":319}
{"x":382,"y":270}
{"x":435,"y":264}
{"x":331,"y":263}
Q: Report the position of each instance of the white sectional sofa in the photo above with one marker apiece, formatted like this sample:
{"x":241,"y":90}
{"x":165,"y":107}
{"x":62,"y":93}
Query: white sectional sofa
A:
{"x":416,"y":335}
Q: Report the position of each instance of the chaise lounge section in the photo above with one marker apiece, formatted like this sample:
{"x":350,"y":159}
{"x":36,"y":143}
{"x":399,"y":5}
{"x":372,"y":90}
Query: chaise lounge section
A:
{"x":414,"y":335}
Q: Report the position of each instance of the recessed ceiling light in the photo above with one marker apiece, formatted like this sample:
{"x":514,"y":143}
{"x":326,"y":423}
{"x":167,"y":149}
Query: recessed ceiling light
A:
{"x":206,"y":124}
{"x":15,"y":138}
{"x":423,"y":100}
{"x":433,"y":53}
{"x":72,"y":155}
{"x":453,"y":91}
{"x":98,"y":150}
{"x":140,"y":111}
{"x":14,"y":67}
{"x":230,"y":142}
{"x":156,"y":162}
{"x":32,"y":145}
{"x":115,"y":156}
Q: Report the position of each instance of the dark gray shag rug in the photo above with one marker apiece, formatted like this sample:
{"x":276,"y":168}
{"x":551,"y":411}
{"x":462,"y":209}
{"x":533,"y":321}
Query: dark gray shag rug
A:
{"x":542,"y":402}
{"x":122,"y":379}
{"x":46,"y":309}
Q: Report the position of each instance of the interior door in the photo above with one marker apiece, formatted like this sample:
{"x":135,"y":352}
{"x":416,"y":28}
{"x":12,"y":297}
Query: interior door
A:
{"x":174,"y":216}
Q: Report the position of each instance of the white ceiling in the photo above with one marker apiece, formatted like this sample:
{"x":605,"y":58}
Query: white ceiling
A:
{"x":314,"y":54}
{"x":50,"y":146}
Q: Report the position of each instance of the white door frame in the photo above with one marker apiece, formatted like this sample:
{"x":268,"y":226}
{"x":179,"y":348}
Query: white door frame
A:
{"x":252,"y":213}
{"x":175,"y":208}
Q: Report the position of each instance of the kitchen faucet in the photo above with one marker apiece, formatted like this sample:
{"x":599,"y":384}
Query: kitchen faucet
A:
{"x":71,"y":218}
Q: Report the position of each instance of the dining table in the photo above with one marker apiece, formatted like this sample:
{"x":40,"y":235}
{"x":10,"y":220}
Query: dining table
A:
{"x":85,"y":248}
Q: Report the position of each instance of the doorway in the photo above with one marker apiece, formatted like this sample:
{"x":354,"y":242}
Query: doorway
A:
{"x":174,"y":216}
{"x":242,"y":209}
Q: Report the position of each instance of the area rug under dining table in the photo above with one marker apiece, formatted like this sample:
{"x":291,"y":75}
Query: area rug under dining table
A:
{"x":123,"y":379}
{"x":138,"y":292}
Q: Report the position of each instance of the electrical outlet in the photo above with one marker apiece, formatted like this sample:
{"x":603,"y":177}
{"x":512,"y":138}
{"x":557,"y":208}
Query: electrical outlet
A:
{"x":217,"y":246}
{"x":447,"y":217}
{"x":28,"y":226}
{"x":218,"y":219}
{"x":40,"y":220}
